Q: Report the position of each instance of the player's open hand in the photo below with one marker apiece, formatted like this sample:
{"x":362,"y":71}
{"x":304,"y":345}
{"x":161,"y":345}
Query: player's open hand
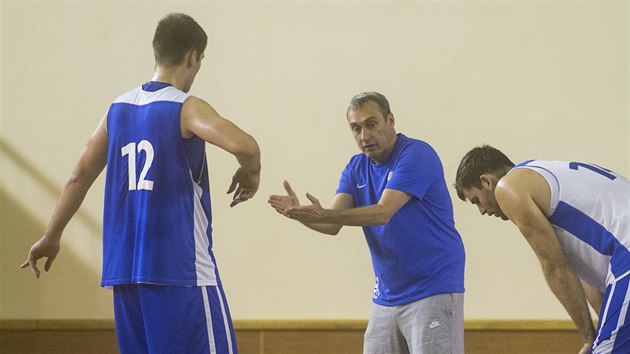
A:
{"x":46,"y":247}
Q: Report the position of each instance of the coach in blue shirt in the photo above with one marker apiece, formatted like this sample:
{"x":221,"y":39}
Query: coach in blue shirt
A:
{"x":395,"y":190}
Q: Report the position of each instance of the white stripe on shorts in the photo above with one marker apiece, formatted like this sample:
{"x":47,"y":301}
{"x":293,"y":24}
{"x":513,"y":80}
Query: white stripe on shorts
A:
{"x":605,"y":313}
{"x":606,"y":346}
{"x":228,"y":335}
{"x":206,"y":306}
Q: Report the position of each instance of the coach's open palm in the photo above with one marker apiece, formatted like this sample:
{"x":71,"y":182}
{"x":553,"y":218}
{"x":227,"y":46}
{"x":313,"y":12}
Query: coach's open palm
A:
{"x":283,"y":202}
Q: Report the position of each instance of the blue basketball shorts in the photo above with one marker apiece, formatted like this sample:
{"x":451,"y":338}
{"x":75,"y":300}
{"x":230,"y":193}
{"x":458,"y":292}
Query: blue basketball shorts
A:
{"x":171,"y":319}
{"x":613,"y":332}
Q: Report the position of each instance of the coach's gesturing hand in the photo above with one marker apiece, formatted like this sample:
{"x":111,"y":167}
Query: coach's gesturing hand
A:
{"x":281,"y":203}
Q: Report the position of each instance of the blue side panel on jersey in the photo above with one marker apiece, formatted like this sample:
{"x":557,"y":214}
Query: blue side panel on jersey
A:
{"x":138,"y":221}
{"x":594,"y":234}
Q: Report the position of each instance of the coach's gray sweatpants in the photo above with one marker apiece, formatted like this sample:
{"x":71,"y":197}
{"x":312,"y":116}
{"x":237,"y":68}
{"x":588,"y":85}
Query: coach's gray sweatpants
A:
{"x":433,"y":325}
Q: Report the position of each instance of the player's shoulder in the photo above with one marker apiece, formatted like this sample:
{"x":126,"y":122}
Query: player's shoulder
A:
{"x":197,"y":106}
{"x":520,"y":180}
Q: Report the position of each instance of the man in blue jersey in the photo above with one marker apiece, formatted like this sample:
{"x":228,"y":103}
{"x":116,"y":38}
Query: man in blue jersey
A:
{"x":395,"y":190}
{"x":157,"y":226}
{"x":576,"y":218}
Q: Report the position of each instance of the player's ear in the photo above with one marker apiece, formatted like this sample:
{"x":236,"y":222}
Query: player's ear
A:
{"x":487,"y":181}
{"x":191,"y":58}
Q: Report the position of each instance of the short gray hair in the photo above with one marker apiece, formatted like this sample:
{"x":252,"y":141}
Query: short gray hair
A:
{"x":360,"y":99}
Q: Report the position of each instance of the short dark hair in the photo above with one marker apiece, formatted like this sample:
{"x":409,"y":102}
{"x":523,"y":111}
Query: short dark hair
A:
{"x":175,"y":35}
{"x":478,"y":161}
{"x":360,"y":99}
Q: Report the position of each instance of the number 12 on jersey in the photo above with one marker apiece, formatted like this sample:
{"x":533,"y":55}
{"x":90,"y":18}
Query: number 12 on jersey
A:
{"x":130,"y":150}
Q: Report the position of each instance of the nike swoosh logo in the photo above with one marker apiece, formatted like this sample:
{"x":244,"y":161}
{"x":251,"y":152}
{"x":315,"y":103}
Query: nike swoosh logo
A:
{"x":361,"y":185}
{"x":434,"y":324}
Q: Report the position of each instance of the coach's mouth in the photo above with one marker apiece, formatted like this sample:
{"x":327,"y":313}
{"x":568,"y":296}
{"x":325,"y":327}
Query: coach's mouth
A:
{"x":369,"y":147}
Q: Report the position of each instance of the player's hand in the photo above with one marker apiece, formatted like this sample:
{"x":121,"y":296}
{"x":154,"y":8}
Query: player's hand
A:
{"x":46,"y":247}
{"x":283,"y":202}
{"x":244,"y":185}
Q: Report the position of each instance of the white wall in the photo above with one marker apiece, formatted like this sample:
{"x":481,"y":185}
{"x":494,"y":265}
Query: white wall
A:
{"x":535,"y":79}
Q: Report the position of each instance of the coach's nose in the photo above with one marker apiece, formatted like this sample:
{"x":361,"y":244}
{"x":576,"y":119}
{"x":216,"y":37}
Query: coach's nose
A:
{"x":365,"y":135}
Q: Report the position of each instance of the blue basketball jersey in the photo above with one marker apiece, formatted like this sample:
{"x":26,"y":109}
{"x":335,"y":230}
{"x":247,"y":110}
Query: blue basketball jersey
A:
{"x":418,"y":253}
{"x":157,"y":216}
{"x":590,"y":213}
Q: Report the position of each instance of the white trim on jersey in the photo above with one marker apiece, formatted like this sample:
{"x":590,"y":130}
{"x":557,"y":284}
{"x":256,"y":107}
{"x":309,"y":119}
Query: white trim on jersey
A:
{"x":140,"y":97}
{"x":204,"y":266}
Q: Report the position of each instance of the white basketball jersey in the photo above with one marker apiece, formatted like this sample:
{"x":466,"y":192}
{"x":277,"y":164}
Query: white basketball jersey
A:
{"x":590,"y":212}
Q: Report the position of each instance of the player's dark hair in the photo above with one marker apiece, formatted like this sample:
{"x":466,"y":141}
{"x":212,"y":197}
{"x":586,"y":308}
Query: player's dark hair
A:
{"x":481,"y":160}
{"x":360,"y":99}
{"x":175,"y":35}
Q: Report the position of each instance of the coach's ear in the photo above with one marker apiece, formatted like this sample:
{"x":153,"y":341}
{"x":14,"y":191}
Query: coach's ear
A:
{"x":390,"y":118}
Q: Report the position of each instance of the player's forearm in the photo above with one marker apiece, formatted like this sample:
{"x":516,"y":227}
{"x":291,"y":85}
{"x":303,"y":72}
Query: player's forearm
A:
{"x":594,"y":297}
{"x":69,"y":202}
{"x":248,"y":156}
{"x":564,"y":283}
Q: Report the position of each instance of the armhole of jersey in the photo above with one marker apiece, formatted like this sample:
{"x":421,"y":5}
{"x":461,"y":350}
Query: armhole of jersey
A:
{"x":196,"y":177}
{"x":195,"y":148}
{"x":552,"y":181}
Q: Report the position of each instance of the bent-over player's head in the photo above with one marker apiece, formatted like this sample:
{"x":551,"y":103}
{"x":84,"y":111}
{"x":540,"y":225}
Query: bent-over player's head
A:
{"x":480,"y":161}
{"x":175,"y":36}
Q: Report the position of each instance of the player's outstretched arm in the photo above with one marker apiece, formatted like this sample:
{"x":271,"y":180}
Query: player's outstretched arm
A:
{"x":283,"y":203}
{"x":200,"y":119}
{"x":90,"y":164}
